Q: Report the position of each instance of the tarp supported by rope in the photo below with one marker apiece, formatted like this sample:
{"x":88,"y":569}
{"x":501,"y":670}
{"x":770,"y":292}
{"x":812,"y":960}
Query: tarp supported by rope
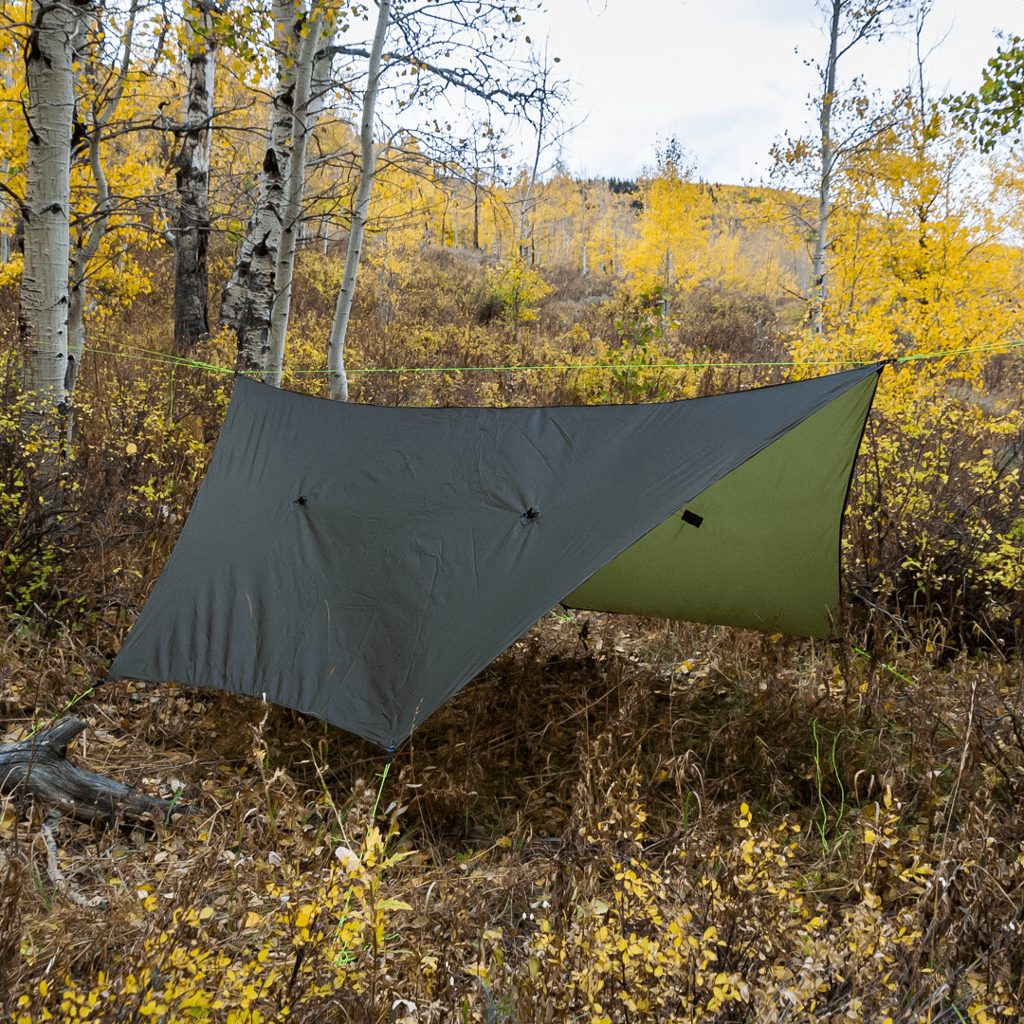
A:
{"x":362,"y":564}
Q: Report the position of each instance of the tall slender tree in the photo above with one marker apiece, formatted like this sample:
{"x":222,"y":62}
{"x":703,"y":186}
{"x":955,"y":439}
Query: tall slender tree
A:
{"x":305,"y":106}
{"x":360,"y":209}
{"x":441,"y":45}
{"x":847,"y":23}
{"x":303,"y":78}
{"x":46,"y":213}
{"x":192,"y":181}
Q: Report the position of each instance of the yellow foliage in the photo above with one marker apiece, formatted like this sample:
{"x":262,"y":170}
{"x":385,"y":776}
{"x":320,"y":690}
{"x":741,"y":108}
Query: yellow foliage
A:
{"x":919,"y":266}
{"x":516,"y":287}
{"x":673,"y":244}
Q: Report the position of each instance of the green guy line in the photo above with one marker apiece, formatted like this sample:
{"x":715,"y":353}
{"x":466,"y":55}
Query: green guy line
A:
{"x":174,"y":361}
{"x":888,"y":668}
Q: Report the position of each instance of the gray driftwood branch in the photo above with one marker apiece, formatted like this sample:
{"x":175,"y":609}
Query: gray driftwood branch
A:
{"x":39,"y":767}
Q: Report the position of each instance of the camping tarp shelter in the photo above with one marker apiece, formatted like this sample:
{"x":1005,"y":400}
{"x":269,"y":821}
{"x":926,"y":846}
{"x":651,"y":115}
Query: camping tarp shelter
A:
{"x":362,"y":563}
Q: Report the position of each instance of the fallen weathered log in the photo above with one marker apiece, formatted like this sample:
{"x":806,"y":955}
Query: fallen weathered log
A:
{"x":39,"y":768}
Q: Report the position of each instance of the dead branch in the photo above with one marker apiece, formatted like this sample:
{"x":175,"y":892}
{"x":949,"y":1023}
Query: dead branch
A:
{"x":38,"y":767}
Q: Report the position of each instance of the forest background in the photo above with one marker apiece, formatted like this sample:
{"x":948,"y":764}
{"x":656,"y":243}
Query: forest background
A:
{"x":622,"y":819}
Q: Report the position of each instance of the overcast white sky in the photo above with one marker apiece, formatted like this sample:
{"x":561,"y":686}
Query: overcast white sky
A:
{"x":722,"y":75}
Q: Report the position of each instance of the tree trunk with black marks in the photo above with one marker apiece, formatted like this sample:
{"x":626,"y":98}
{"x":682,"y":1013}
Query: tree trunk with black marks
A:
{"x":306,"y":104}
{"x":38,"y":767}
{"x":251,"y":303}
{"x":46,"y":215}
{"x":192,"y":181}
{"x":249,"y":293}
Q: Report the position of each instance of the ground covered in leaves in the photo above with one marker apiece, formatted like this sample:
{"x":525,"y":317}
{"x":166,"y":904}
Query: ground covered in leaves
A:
{"x":620,"y":820}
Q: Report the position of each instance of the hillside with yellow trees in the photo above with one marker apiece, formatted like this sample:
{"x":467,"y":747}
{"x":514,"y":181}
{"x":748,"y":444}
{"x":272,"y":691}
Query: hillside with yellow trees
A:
{"x":622,"y":819}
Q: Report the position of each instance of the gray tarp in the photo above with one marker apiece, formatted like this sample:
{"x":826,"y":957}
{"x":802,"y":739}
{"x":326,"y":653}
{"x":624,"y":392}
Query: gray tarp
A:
{"x":362,"y":564}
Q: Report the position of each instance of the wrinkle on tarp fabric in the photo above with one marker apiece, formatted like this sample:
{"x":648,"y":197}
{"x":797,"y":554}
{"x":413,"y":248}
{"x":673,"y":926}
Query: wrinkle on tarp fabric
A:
{"x":362,"y":564}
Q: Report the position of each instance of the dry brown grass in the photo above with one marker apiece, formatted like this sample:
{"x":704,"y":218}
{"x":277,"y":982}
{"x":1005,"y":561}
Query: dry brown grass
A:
{"x":566,"y":802}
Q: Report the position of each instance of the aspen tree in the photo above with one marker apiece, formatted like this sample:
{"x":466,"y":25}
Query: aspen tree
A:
{"x":9,"y":145}
{"x":258,"y":281}
{"x":303,"y":117}
{"x":192,"y":182}
{"x":489,"y":151}
{"x":444,"y":44}
{"x":668,"y":253}
{"x":249,"y":292}
{"x":848,"y":22}
{"x":920,"y":262}
{"x":46,"y":212}
{"x":543,"y":118}
{"x":337,"y":377}
{"x":100,"y":197}
{"x":472,"y":166}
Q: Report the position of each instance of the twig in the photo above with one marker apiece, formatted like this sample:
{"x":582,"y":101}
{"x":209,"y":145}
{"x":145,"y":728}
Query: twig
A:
{"x":62,"y":885}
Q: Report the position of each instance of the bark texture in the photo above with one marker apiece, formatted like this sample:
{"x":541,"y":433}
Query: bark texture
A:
{"x":305,"y":109}
{"x":192,"y":181}
{"x":39,"y":767}
{"x":251,"y":303}
{"x":249,"y":294}
{"x":46,"y":214}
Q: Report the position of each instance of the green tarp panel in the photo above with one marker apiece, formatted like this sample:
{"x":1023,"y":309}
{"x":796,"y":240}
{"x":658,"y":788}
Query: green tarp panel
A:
{"x":766,"y":531}
{"x":362,"y":564}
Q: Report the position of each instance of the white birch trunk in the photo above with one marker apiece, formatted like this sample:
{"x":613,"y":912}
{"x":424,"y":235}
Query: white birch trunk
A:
{"x":360,"y":210}
{"x":304,"y":114}
{"x":46,"y":214}
{"x":6,"y":201}
{"x":80,"y":260}
{"x":583,"y":229}
{"x":476,"y":210}
{"x":249,"y":293}
{"x":192,"y":179}
{"x":526,"y":204}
